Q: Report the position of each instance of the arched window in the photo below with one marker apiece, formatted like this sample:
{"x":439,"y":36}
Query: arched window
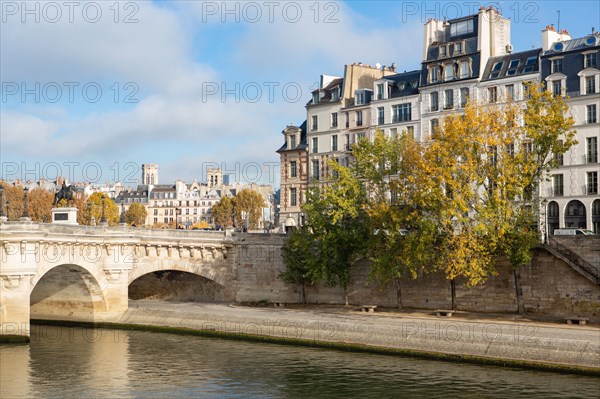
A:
{"x":575,"y":215}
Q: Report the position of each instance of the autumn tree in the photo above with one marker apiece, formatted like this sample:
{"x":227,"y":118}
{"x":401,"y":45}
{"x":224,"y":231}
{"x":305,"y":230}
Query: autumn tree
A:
{"x":401,"y":231}
{"x":13,"y":201}
{"x":40,"y":204}
{"x":111,"y":210}
{"x":337,"y":221}
{"x":489,"y":163}
{"x":136,"y":215}
{"x":247,"y":206}
{"x":222,"y":212}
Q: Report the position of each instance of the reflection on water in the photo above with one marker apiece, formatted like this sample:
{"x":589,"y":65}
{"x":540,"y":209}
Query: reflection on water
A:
{"x":82,"y":363}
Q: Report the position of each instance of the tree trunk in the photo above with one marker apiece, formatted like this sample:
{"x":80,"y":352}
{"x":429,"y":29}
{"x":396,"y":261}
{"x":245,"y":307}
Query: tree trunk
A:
{"x":346,"y":294}
{"x":453,"y":291}
{"x":519,"y":289}
{"x":398,"y":292}
{"x":303,"y":293}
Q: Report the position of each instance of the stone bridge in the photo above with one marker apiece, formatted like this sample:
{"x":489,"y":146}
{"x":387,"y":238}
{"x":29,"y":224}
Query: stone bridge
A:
{"x":82,"y":273}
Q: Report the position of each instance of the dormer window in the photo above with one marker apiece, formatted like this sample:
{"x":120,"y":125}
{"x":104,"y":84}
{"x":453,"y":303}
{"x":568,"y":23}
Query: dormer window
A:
{"x":590,"y":41}
{"x":557,"y":65}
{"x":458,"y":48}
{"x":443,"y":51}
{"x":380,"y":91}
{"x":335,"y":94}
{"x":448,"y":72}
{"x":359,"y":97}
{"x":461,"y":28}
{"x":402,"y":85}
{"x":531,"y":60}
{"x":590,"y":60}
{"x":513,"y":64}
{"x":558,"y":46}
{"x":292,"y":141}
{"x":315,"y":98}
{"x":433,"y":74}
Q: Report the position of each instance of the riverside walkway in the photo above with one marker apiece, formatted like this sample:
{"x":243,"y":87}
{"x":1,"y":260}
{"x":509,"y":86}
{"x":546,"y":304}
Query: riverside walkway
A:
{"x":495,"y":339}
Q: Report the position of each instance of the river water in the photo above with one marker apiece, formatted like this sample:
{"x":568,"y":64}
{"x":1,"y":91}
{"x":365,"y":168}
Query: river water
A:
{"x":64,"y":362}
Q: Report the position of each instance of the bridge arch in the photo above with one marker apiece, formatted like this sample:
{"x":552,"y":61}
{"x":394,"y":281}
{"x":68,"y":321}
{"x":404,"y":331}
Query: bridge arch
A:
{"x":67,"y":290}
{"x":204,"y":270}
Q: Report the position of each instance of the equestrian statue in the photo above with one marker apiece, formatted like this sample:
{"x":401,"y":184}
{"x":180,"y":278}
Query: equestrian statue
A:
{"x":65,"y":192}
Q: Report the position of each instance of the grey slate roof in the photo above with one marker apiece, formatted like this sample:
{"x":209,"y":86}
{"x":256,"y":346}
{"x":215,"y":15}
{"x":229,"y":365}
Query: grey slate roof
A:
{"x":506,"y":65}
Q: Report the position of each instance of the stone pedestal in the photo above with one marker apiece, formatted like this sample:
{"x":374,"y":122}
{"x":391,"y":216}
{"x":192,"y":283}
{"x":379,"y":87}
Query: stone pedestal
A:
{"x":64,"y":216}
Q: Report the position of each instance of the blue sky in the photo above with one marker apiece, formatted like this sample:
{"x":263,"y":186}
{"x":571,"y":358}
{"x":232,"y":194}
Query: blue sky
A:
{"x":95,"y":89}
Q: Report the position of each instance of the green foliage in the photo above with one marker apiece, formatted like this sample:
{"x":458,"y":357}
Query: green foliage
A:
{"x":299,"y":254}
{"x":136,"y":215}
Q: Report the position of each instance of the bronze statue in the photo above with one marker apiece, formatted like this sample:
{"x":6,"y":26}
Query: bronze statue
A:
{"x":65,"y":192}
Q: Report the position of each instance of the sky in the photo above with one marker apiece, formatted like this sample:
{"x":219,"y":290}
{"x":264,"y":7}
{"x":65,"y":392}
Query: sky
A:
{"x":92,"y":90}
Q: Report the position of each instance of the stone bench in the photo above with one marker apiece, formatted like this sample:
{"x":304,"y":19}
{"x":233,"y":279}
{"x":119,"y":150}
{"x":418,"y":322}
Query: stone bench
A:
{"x":444,"y":313}
{"x":577,"y":320}
{"x":368,"y":308}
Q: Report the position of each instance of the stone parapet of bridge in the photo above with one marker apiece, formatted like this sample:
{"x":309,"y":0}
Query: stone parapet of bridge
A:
{"x":99,"y":261}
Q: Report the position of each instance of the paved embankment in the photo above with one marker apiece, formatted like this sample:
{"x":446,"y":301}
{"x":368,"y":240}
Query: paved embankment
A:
{"x":517,"y":342}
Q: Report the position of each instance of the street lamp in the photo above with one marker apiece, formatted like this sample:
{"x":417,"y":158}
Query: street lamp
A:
{"x":122,"y":218}
{"x":103,"y":218}
{"x":89,"y":210}
{"x":25,"y":192}
{"x":177,"y":218}
{"x":1,"y":202}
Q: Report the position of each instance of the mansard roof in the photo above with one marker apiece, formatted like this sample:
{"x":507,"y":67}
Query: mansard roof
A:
{"x":580,"y":44}
{"x":514,"y":64}
{"x":301,"y":145}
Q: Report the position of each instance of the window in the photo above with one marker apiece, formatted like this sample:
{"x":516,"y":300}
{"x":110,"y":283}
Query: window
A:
{"x":458,"y":48}
{"x":293,"y":197}
{"x":315,"y":145}
{"x":292,"y":141}
{"x":557,"y":87}
{"x":511,"y":72}
{"x":464,"y":96}
{"x":155,"y":212}
{"x":315,"y":169}
{"x":315,"y":122}
{"x":360,"y":98}
{"x":513,"y":64}
{"x":492,"y":94}
{"x":394,"y":133}
{"x":334,"y":119}
{"x":448,"y":71}
{"x":592,"y":182}
{"x":335,"y":94}
{"x":461,"y":28}
{"x":497,"y":66}
{"x":433,"y":74}
{"x":410,"y":131}
{"x":315,"y":98}
{"x":464,"y":69}
{"x":449,"y":99}
{"x":510,"y":92}
{"x":380,"y":116}
{"x":334,"y":142}
{"x":347,"y":119}
{"x":592,"y":149}
{"x":401,"y":113}
{"x":433,"y":101}
{"x":559,"y":158}
{"x":293,"y":169}
{"x":557,"y":65}
{"x":434,"y":125}
{"x":380,"y":91}
{"x":359,"y":120}
{"x":558,"y":185}
{"x":443,"y":51}
{"x":591,"y":113}
{"x":493,"y":150}
{"x":531,"y":60}
{"x":510,"y":149}
{"x":590,"y":60}
{"x":590,"y":85}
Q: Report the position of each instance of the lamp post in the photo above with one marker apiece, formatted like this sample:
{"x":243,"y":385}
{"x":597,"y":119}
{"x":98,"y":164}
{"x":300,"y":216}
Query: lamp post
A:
{"x":177,"y":218}
{"x":7,"y":208}
{"x":2,"y":204}
{"x":544,"y":220}
{"x":103,"y":218}
{"x":89,"y":211}
{"x":25,"y":212}
{"x":122,"y":218}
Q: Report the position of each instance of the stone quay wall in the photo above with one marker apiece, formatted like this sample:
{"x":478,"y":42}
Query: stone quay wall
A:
{"x":550,"y":287}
